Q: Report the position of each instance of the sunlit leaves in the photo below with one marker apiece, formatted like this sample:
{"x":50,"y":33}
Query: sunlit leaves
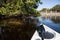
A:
{"x":11,"y":7}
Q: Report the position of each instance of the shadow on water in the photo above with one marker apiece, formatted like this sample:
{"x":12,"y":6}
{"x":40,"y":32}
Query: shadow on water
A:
{"x":14,"y":29}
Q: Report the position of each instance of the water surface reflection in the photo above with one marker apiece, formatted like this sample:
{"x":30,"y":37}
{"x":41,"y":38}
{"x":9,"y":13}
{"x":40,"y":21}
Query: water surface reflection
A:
{"x":14,"y":29}
{"x":52,"y":22}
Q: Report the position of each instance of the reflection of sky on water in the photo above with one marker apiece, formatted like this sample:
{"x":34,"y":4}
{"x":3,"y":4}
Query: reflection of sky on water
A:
{"x":50,"y":23}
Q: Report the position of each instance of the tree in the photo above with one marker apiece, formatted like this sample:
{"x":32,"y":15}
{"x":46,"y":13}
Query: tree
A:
{"x":56,"y":8}
{"x":12,"y":7}
{"x":9,"y":7}
{"x":43,"y":10}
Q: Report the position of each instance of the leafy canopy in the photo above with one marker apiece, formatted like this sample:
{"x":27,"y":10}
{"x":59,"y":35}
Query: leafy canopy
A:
{"x":11,"y":7}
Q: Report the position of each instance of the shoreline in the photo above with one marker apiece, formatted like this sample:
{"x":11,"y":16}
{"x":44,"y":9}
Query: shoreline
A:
{"x":50,"y":14}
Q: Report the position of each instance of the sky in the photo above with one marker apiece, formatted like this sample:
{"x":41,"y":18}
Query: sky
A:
{"x":48,"y":4}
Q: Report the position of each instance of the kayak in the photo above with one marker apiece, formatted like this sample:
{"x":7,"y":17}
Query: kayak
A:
{"x":50,"y":34}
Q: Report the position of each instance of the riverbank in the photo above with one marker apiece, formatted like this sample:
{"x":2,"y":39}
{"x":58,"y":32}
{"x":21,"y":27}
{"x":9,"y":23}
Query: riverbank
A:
{"x":50,"y":14}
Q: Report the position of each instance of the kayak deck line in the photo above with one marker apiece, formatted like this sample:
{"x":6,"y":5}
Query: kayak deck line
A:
{"x":52,"y":34}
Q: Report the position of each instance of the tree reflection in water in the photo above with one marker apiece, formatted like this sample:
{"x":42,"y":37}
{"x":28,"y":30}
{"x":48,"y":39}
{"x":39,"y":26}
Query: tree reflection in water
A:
{"x":56,"y":19}
{"x":13,"y":29}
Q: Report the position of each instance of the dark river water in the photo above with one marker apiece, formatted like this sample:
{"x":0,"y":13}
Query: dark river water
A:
{"x":52,"y":22}
{"x":21,"y":29}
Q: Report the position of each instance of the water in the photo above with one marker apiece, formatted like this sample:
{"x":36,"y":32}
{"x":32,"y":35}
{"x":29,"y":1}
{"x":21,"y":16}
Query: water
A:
{"x":52,"y":22}
{"x":24,"y":31}
{"x":14,"y":29}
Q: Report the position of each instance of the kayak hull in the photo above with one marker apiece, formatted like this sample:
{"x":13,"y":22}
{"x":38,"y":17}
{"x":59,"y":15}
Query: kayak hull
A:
{"x":50,"y":34}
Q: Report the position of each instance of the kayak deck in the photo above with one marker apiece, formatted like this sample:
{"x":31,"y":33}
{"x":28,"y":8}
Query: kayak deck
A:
{"x":53,"y":35}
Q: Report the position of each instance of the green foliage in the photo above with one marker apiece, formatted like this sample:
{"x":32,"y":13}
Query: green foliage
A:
{"x":56,"y":8}
{"x":44,"y":10}
{"x":10,"y":7}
